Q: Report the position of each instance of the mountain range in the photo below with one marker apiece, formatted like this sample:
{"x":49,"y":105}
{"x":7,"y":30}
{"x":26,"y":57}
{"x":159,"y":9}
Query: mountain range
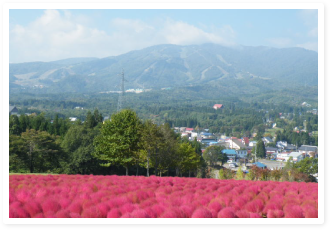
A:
{"x":240,"y":68}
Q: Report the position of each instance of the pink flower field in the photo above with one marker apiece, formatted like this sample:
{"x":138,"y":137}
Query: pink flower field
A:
{"x":88,"y":196}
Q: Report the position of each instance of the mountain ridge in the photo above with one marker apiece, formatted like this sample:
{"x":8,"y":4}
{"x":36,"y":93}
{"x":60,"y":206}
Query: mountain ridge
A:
{"x":171,"y":66}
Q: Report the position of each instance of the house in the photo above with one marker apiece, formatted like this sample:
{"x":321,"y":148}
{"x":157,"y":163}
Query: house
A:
{"x":249,"y":149}
{"x":213,"y":143}
{"x":284,"y":145}
{"x":272,"y":152}
{"x":236,"y":144}
{"x":184,"y":135}
{"x":284,"y":156}
{"x":218,"y":106}
{"x":290,"y":147}
{"x":231,"y":154}
{"x":245,"y":141}
{"x":224,"y":144}
{"x":252,"y":143}
{"x":207,"y":141}
{"x":182,"y":129}
{"x":189,"y":130}
{"x":72,"y":119}
{"x":296,"y":156}
{"x":13,"y":110}
{"x":193,"y":135}
{"x":242,"y":153}
{"x":206,"y":135}
{"x":309,"y":150}
{"x":267,"y":140}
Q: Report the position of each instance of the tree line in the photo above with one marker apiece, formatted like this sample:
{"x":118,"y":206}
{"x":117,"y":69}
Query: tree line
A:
{"x":124,"y":145}
{"x":93,"y":147}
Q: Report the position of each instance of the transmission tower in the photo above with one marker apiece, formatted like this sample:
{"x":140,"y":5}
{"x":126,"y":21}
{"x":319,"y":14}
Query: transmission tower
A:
{"x":122,"y":92}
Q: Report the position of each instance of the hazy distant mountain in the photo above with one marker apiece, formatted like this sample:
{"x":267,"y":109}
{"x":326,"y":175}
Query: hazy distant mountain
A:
{"x":243,"y":68}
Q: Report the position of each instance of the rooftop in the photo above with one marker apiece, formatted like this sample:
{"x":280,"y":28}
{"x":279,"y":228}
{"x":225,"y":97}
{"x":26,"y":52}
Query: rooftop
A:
{"x":229,"y":151}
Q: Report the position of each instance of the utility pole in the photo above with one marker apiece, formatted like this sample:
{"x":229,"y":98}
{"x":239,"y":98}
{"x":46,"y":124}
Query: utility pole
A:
{"x":122,"y":89}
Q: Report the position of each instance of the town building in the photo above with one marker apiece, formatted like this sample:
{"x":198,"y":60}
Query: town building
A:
{"x":13,"y":110}
{"x":217,"y":106}
{"x":296,"y":156}
{"x":235,"y":144}
{"x":309,"y":150}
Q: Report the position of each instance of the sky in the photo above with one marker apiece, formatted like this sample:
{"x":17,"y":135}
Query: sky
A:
{"x":49,"y":35}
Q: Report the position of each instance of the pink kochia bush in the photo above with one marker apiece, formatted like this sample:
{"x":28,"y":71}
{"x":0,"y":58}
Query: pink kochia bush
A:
{"x":88,"y":196}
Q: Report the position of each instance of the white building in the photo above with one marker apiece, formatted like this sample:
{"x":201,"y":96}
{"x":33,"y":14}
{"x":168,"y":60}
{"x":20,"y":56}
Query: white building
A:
{"x":296,"y":156}
{"x":72,"y":118}
{"x":235,"y":144}
{"x":282,"y":156}
{"x":242,"y":153}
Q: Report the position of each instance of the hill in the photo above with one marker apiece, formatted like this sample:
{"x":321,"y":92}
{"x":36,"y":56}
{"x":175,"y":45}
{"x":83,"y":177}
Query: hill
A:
{"x":242,"y":69}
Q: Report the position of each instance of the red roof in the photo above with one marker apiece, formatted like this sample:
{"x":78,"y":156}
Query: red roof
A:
{"x":246,"y":140}
{"x":189,"y":129}
{"x":218,"y":106}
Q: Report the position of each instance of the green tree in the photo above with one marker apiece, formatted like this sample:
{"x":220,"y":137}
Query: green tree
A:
{"x":197,"y":145}
{"x":221,"y":174}
{"x":98,"y":116}
{"x":14,"y":125}
{"x":240,"y":174}
{"x":167,"y":155}
{"x":118,"y":141}
{"x":18,"y":159}
{"x":78,"y":143}
{"x":24,"y":122}
{"x":56,"y":126}
{"x":225,"y":174}
{"x":223,"y":158}
{"x":187,"y":159}
{"x":309,"y":165}
{"x":90,"y":120}
{"x":261,"y":150}
{"x":212,"y":154}
{"x":150,"y":143}
{"x":43,"y":151}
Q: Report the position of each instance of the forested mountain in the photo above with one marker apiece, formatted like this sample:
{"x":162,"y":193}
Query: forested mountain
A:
{"x":242,"y":69}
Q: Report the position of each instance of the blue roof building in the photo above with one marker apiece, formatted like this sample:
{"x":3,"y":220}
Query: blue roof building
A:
{"x":231,"y":153}
{"x":260,"y":165}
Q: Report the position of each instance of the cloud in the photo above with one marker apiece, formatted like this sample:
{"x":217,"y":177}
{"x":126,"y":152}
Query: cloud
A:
{"x":310,"y":20}
{"x":181,"y":33}
{"x":309,"y":46}
{"x":54,"y":36}
{"x":57,"y":34}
